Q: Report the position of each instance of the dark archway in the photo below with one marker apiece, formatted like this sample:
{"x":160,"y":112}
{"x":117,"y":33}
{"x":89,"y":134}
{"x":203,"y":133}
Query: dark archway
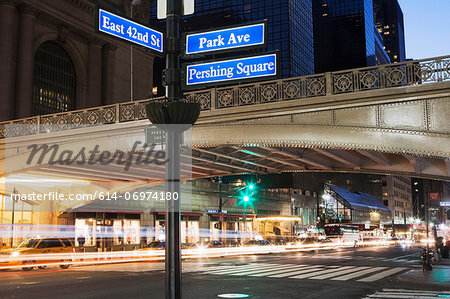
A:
{"x":54,"y":80}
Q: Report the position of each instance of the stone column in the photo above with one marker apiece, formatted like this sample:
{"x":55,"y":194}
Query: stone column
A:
{"x":94,"y":90}
{"x":8,"y":35}
{"x":108,"y":61}
{"x":24,"y":84}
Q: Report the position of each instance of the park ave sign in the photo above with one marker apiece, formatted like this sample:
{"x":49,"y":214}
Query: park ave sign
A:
{"x":226,"y":39}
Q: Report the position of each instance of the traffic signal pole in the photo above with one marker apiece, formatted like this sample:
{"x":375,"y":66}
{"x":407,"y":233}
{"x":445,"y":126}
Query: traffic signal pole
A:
{"x":426,"y":217}
{"x":220,"y":210}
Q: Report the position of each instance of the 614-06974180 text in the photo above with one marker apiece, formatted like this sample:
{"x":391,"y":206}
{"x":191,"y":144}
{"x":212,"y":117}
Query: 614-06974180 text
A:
{"x":156,"y":196}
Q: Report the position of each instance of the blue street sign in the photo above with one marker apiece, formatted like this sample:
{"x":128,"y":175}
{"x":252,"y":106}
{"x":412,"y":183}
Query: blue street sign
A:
{"x":444,"y":203}
{"x":122,"y":28}
{"x":226,"y":39}
{"x":212,"y":211}
{"x":228,"y":70}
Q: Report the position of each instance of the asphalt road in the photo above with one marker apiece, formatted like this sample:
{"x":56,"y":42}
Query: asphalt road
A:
{"x":340,"y":273}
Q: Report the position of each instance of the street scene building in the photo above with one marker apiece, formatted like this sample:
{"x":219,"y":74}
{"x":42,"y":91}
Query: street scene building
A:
{"x":398,"y":197}
{"x":54,"y":61}
{"x":389,"y":22}
{"x":345,"y":35}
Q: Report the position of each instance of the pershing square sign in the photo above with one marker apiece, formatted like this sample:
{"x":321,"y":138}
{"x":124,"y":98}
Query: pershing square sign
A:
{"x":229,"y":70}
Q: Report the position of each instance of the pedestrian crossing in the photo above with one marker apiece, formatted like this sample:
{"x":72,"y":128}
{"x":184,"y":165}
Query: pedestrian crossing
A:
{"x":304,"y":271}
{"x":409,"y":259}
{"x":402,"y":293}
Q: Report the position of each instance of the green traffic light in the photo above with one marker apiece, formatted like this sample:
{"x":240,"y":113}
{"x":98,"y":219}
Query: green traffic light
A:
{"x":246,"y":198}
{"x":250,"y":186}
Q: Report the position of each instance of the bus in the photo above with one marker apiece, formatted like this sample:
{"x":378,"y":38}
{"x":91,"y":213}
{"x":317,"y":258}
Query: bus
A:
{"x":343,"y":233}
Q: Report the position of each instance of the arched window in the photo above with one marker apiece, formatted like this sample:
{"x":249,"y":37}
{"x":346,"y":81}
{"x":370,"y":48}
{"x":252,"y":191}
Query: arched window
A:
{"x":54,"y":80}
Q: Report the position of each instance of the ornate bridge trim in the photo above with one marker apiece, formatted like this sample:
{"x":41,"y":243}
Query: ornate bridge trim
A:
{"x":354,"y":81}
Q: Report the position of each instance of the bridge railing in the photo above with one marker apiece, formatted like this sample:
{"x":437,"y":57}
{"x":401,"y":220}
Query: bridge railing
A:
{"x":407,"y":73}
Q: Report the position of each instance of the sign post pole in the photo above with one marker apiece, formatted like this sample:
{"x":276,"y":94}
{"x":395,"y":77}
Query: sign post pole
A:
{"x":426,"y":217}
{"x":173,"y":94}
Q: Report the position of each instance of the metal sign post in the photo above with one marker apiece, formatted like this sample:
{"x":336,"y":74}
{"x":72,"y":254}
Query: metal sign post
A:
{"x":174,"y":94}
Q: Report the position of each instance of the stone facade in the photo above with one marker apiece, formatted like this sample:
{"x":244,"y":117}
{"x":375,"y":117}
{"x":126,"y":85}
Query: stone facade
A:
{"x":102,"y":64}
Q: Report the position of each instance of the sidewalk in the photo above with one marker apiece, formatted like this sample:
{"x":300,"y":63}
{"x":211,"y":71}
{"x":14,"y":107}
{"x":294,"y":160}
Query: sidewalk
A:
{"x":440,"y":276}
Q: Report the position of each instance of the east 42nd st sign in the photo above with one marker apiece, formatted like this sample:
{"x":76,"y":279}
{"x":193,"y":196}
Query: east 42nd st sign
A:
{"x":128,"y":30}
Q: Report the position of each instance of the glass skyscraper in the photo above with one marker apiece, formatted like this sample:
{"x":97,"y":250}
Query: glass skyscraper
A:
{"x":389,"y":21}
{"x":345,"y":35}
{"x":289,"y":22}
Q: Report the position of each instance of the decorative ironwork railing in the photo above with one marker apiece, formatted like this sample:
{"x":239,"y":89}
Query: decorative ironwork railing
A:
{"x":414,"y":72}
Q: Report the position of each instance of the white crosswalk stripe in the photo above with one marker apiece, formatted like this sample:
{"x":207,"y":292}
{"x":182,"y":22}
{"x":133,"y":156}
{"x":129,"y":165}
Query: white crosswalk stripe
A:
{"x":280,"y":271}
{"x":399,"y":259}
{"x":381,"y":275}
{"x":402,"y":293}
{"x":336,"y":273}
{"x":296,"y":271}
{"x":307,"y":275}
{"x":290,"y":273}
{"x":358,"y":273}
{"x":233,"y":269}
{"x":244,"y":273}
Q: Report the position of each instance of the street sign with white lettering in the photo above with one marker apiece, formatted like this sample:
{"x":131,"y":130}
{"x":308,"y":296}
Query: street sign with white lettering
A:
{"x":225,"y":39}
{"x":130,"y":31}
{"x":444,"y":203}
{"x":153,"y":135}
{"x":221,"y":72}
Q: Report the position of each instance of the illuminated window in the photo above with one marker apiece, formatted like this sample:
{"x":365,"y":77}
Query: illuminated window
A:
{"x":54,"y":80}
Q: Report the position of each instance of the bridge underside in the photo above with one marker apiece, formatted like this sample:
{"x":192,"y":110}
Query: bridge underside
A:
{"x":290,"y":148}
{"x":236,"y":149}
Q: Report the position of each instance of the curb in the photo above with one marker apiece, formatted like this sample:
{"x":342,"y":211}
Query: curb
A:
{"x":443,"y":286}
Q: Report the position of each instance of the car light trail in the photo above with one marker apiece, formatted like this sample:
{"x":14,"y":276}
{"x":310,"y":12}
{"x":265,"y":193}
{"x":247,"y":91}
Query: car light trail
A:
{"x":143,"y":255}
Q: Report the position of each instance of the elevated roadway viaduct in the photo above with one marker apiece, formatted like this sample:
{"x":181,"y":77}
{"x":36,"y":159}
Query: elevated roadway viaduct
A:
{"x":390,"y":119}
